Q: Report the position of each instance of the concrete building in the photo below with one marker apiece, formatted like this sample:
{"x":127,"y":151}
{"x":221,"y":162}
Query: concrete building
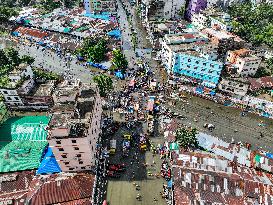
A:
{"x":233,"y":87}
{"x":193,"y":65}
{"x":245,"y":63}
{"x":222,"y":22}
{"x":22,"y":92}
{"x":195,"y":6}
{"x":98,"y":6}
{"x":158,"y":29}
{"x":177,"y":43}
{"x":153,"y":10}
{"x":223,"y":40}
{"x":74,"y":127}
{"x":212,"y":17}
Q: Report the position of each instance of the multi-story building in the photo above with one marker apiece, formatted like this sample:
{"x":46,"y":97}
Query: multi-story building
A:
{"x":99,"y":6}
{"x":193,"y":65}
{"x":22,"y":92}
{"x":195,"y":6}
{"x":244,"y":61}
{"x":234,"y":87}
{"x":74,"y":127}
{"x":153,"y":10}
{"x":223,"y":40}
{"x":222,"y":22}
{"x":176,"y":43}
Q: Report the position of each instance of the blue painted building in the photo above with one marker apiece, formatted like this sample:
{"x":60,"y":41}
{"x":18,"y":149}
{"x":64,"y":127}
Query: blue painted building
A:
{"x":190,"y":64}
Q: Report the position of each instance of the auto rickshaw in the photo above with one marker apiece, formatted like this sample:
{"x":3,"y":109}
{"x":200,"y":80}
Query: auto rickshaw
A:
{"x":127,"y":137}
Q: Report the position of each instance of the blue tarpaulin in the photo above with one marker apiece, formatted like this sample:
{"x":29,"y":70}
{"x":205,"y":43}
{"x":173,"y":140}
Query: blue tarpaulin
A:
{"x":266,"y":114}
{"x":97,"y":65}
{"x":119,"y":75}
{"x":49,"y":164}
{"x":15,"y":33}
{"x":199,"y":90}
{"x":115,"y":33}
{"x":269,"y":155}
{"x":170,"y":184}
{"x":103,"y":16}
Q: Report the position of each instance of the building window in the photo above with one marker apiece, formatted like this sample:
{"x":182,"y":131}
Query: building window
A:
{"x":16,"y":98}
{"x":58,"y":142}
{"x":83,"y":167}
{"x":78,"y":155}
{"x":66,"y":163}
{"x":197,"y":62}
{"x":189,"y":60}
{"x":5,"y":92}
{"x":8,"y":98}
{"x":61,"y":149}
{"x":80,"y":162}
{"x":74,"y":141}
{"x":76,"y":148}
{"x":71,"y":168}
{"x":64,"y":156}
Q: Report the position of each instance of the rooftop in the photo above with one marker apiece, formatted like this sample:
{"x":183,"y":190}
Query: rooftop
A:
{"x":44,"y":89}
{"x":22,"y":141}
{"x":221,"y":34}
{"x":263,"y":82}
{"x":60,"y":120}
{"x":31,"y":32}
{"x":204,"y":177}
{"x":185,"y":37}
{"x":14,"y":186}
{"x":61,"y":188}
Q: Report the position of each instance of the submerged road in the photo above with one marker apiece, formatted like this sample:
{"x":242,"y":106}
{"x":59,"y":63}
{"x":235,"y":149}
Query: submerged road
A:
{"x":199,"y":111}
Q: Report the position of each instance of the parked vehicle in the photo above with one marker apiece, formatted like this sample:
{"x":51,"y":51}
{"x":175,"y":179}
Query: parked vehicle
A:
{"x":113,"y":147}
{"x":210,"y":127}
{"x":117,"y":167}
{"x":113,"y":174}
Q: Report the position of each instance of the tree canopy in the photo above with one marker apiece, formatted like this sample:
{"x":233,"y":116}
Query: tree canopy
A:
{"x":254,"y":24}
{"x":186,"y":138}
{"x":119,"y":60}
{"x":45,"y":75}
{"x":93,"y":49}
{"x":104,"y":83}
{"x":6,"y":13}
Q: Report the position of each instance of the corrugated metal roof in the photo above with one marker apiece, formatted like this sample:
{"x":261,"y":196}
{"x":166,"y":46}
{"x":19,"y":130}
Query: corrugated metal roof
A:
{"x":60,"y":188}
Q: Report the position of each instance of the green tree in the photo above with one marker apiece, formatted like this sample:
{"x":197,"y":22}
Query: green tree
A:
{"x":93,"y":49}
{"x":4,"y":81}
{"x":104,"y":83}
{"x":269,"y":63}
{"x":253,"y":23}
{"x":3,"y":58}
{"x":6,"y":13}
{"x":181,"y":11}
{"x":13,"y":56}
{"x":96,"y":53}
{"x":119,"y":60}
{"x":50,"y":5}
{"x":186,"y":138}
{"x":27,"y":59}
{"x":45,"y":75}
{"x":24,"y":2}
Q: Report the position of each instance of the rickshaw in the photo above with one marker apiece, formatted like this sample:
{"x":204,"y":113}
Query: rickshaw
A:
{"x":127,"y":137}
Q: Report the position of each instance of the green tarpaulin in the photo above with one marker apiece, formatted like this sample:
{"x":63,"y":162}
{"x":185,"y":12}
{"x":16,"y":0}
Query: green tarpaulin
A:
{"x":174,"y":146}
